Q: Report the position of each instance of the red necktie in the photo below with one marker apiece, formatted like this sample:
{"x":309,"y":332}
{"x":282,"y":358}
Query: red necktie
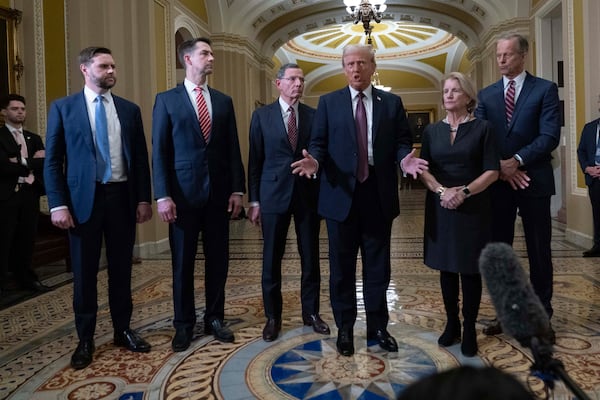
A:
{"x":23,"y":148}
{"x":509,"y":101}
{"x":292,"y":129}
{"x":203,"y":115}
{"x":362,"y":171}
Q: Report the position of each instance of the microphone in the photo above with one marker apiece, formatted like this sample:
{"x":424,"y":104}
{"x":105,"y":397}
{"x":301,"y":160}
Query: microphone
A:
{"x":521,"y":313}
{"x":518,"y":308}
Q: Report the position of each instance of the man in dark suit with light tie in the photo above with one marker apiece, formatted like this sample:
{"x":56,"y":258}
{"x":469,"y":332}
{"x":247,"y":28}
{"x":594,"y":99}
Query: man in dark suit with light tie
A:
{"x":278,"y":133}
{"x":98,"y":185}
{"x":360,"y":136}
{"x":21,"y":185}
{"x":588,"y":154}
{"x":198,"y":183}
{"x":524,"y":112}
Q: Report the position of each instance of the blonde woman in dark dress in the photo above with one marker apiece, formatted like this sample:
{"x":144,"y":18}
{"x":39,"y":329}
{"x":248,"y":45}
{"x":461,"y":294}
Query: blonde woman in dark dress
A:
{"x":463,"y":161}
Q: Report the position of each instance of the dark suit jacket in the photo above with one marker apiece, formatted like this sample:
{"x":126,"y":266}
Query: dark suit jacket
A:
{"x":10,"y":172}
{"x":333,"y":144}
{"x":185,"y":168}
{"x":70,"y":168}
{"x":586,"y":152}
{"x":270,"y":178}
{"x":533,"y":132}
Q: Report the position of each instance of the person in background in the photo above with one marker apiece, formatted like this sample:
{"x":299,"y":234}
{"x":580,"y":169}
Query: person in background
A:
{"x":524,"y":111}
{"x":21,"y":185}
{"x":98,"y":185}
{"x":463,"y":161}
{"x":278,"y":133}
{"x":360,"y":136}
{"x":198,"y":183}
{"x":588,"y":154}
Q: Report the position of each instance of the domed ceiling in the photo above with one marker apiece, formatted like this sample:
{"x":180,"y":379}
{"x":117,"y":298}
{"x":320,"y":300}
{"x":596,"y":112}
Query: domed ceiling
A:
{"x":417,"y":41}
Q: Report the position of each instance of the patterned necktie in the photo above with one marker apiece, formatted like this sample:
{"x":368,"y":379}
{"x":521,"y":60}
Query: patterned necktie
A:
{"x":292,"y":129}
{"x":509,"y":101}
{"x":597,"y":159}
{"x":23,"y":149}
{"x":103,"y":168}
{"x":203,"y":115}
{"x":362,"y":171}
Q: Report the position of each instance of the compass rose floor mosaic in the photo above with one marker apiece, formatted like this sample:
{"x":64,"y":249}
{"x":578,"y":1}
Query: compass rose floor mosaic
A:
{"x":38,"y":336}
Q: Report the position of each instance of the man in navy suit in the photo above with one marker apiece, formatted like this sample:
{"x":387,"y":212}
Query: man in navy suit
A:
{"x":198,"y":183}
{"x":527,"y":134}
{"x":278,"y":133}
{"x":359,"y":190}
{"x":98,"y":185}
{"x":21,"y":165}
{"x":588,"y":154}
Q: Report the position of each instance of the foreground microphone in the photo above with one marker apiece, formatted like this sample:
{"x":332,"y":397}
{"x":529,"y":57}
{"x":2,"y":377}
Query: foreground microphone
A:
{"x":518,"y":308}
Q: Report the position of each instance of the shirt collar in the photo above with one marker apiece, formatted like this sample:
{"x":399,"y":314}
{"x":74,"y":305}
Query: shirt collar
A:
{"x":190,"y":86}
{"x":368,"y":92}
{"x":13,"y":129}
{"x":285,"y":106}
{"x":519,"y":79}
{"x":91,"y":96}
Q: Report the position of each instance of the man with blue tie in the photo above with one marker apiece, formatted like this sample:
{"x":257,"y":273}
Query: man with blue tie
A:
{"x":278,"y":133}
{"x":524,"y":112}
{"x":98,"y":185}
{"x":359,"y":139}
{"x":588,"y":154}
{"x":198,"y":183}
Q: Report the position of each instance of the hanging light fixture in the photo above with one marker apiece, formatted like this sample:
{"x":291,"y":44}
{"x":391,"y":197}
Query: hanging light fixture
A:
{"x":377,"y":83}
{"x":364,"y":11}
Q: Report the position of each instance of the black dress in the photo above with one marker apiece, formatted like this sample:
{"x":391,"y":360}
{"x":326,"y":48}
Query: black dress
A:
{"x":454,"y":238}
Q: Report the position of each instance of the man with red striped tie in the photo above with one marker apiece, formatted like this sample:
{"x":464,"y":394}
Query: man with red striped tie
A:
{"x":198,"y":183}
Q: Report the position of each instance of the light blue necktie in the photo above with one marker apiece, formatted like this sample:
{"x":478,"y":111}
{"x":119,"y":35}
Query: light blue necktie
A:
{"x":103,"y":171}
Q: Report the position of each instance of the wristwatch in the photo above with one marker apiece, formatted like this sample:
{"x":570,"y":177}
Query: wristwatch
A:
{"x":466,"y":191}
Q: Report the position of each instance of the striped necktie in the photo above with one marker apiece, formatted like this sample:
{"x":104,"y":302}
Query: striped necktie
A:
{"x":292,"y":129}
{"x":203,"y":115}
{"x":362,"y":172}
{"x":509,"y":101}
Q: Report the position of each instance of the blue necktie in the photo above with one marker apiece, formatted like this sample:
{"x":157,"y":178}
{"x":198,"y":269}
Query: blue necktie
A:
{"x":103,"y":171}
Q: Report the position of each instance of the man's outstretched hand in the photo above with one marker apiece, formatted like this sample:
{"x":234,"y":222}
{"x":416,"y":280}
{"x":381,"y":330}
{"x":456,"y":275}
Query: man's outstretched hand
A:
{"x":413,"y":165}
{"x":306,"y":166}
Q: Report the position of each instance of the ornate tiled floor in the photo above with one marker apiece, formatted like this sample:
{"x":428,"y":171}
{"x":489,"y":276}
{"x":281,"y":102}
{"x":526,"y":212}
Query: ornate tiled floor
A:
{"x":37,"y":336}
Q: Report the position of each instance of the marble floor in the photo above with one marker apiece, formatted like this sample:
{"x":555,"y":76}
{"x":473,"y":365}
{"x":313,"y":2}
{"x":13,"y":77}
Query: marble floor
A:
{"x":37,"y":335}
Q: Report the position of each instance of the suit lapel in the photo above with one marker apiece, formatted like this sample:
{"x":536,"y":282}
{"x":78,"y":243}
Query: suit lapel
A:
{"x":84,"y":122}
{"x":377,"y":105}
{"x":186,"y":102}
{"x":346,"y":104}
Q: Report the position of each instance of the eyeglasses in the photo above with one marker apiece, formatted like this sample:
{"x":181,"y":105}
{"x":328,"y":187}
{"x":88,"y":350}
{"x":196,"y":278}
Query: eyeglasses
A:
{"x":294,"y":78}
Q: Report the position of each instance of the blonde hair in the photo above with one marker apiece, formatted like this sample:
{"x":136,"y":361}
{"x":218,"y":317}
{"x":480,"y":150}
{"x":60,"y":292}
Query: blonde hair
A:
{"x":466,"y":85}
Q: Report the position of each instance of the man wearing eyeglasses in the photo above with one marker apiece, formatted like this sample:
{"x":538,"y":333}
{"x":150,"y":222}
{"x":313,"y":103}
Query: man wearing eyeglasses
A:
{"x":278,"y":133}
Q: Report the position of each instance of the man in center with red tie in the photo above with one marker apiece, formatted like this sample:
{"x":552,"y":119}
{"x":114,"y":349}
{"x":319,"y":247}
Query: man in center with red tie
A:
{"x":359,"y":139}
{"x":278,"y":133}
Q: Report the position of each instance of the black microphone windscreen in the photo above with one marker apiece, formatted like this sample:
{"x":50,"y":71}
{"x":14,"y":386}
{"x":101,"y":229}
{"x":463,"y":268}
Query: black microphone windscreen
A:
{"x":518,"y":308}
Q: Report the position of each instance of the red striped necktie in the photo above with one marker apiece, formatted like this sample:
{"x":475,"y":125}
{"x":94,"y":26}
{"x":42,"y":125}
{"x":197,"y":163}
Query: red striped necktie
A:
{"x":509,"y":101}
{"x":203,"y":115}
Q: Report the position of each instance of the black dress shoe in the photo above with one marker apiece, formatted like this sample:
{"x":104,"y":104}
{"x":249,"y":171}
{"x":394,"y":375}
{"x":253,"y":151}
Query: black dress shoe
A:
{"x":182,"y":340}
{"x":83,"y":355}
{"x":345,"y":342}
{"x":271,"y":330}
{"x":38,"y":286}
{"x":493,"y":329}
{"x":593,"y":252}
{"x":131,"y":341}
{"x":317,"y":323}
{"x":217,"y":328}
{"x":384,"y":339}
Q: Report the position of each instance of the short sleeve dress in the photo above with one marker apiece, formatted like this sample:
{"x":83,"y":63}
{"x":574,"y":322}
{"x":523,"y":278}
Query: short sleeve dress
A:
{"x":453,"y":239}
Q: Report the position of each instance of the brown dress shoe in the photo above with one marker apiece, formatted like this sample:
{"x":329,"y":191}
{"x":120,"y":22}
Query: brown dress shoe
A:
{"x":271,"y":330}
{"x":319,"y":326}
{"x":493,"y":329}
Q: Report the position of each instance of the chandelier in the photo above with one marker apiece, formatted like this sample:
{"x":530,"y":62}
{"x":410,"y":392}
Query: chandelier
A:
{"x":364,"y":11}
